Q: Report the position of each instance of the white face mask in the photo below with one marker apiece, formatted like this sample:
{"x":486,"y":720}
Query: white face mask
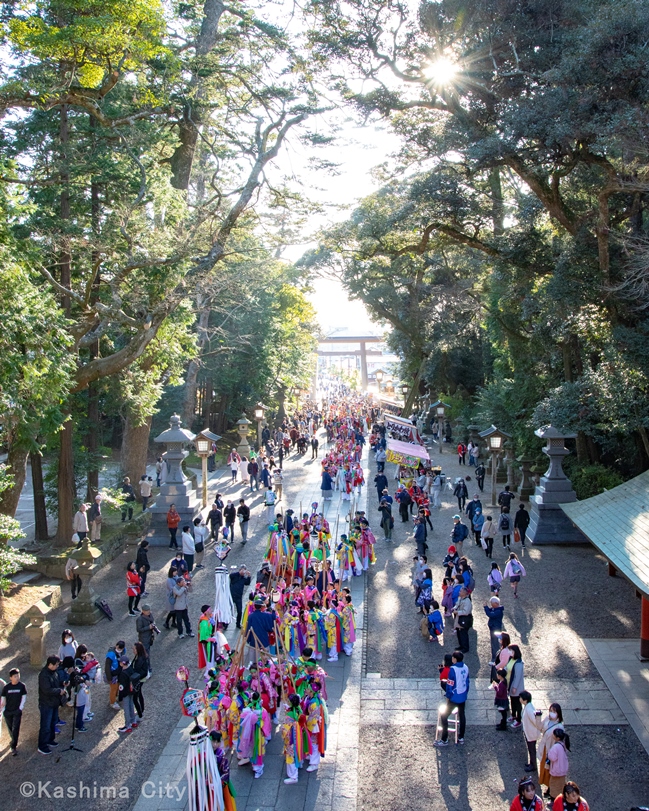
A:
{"x":553,"y":715}
{"x":68,"y":639}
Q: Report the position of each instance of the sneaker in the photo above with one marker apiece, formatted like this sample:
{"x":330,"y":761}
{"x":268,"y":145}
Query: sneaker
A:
{"x":511,"y":719}
{"x":90,"y":716}
{"x":243,"y":761}
{"x":44,"y":751}
{"x":145,"y":594}
{"x":181,"y":636}
{"x":14,"y":752}
{"x":135,"y":724}
{"x":288,"y":781}
{"x":516,"y":725}
{"x":191,"y":633}
{"x":82,"y":729}
{"x":124,"y":730}
{"x":132,"y":614}
{"x":312,"y":768}
{"x":54,"y":743}
{"x":61,"y":723}
{"x":115,"y":706}
{"x":440,"y":743}
{"x":460,"y":741}
{"x":530,"y":768}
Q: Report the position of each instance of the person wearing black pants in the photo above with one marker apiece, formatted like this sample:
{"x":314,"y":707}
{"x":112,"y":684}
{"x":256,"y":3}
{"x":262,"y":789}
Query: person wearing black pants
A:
{"x":522,"y":522}
{"x":13,"y":699}
{"x":50,"y":694}
{"x":238,"y":582}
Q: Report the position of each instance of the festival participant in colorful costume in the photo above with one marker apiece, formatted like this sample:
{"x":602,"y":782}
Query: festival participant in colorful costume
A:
{"x":254,"y":734}
{"x":348,"y":623}
{"x":317,"y":719}
{"x":295,"y":737}
{"x":223,"y":764}
{"x":206,"y":640}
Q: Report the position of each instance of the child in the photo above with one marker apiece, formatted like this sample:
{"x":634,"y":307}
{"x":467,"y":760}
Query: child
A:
{"x":294,"y":738}
{"x":447,"y":596}
{"x":435,"y":622}
{"x":12,"y":701}
{"x":500,"y":700}
{"x":223,"y":764}
{"x":495,"y":579}
{"x":514,"y":570}
{"x":444,"y":670}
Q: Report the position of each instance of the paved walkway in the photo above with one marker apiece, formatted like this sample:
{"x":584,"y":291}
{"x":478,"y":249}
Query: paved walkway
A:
{"x":415,"y":701}
{"x":334,"y":786}
{"x":627,"y":678}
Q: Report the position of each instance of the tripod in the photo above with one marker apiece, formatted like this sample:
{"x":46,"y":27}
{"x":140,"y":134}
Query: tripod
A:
{"x":74,"y":725}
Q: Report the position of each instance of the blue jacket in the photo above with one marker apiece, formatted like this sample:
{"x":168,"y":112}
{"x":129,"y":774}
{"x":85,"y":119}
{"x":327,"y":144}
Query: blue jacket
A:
{"x":435,"y":623}
{"x":495,"y":615}
{"x":457,"y":683}
{"x":472,"y":507}
{"x":420,"y":533}
{"x":326,"y":483}
{"x":478,"y":521}
{"x":460,"y":532}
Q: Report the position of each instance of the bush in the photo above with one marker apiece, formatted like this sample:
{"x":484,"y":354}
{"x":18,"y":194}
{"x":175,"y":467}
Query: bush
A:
{"x":591,"y":480}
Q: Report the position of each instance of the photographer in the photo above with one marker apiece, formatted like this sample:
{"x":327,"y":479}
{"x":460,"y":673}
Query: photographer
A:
{"x":146,"y":630}
{"x":78,"y":691}
{"x":50,"y":695}
{"x":238,"y":581}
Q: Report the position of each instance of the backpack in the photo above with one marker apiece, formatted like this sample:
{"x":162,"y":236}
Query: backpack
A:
{"x":504,"y":522}
{"x":515,"y":567}
{"x":471,"y":584}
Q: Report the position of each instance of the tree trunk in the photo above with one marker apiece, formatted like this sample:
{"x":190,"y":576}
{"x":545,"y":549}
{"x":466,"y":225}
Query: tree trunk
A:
{"x":40,"y":511}
{"x":67,"y":491}
{"x":582,"y":447}
{"x":497,"y":202}
{"x":92,"y":437}
{"x":17,"y":467}
{"x":135,"y":449}
{"x":191,"y":378}
{"x":281,"y":409}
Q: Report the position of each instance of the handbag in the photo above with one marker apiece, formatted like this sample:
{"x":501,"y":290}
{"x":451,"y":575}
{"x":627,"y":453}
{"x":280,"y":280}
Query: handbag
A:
{"x":199,"y":546}
{"x":517,"y":535}
{"x":465,"y":621}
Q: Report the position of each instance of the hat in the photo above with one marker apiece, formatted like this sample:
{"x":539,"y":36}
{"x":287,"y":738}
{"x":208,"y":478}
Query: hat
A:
{"x":146,"y":607}
{"x":124,"y":660}
{"x":265,"y":565}
{"x":97,"y":498}
{"x":456,"y":518}
{"x":452,"y":549}
{"x":259,"y":601}
{"x":495,"y":600}
{"x":204,"y":608}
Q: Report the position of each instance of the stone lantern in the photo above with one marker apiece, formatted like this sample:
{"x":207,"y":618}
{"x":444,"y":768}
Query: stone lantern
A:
{"x":177,"y":488}
{"x":495,"y":439}
{"x":548,"y":522}
{"x":527,"y":484}
{"x":243,"y":427}
{"x":37,"y":630}
{"x":83,"y":610}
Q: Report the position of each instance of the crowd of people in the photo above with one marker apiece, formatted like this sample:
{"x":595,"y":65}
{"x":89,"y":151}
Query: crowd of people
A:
{"x":297,"y":612}
{"x":547,"y":743}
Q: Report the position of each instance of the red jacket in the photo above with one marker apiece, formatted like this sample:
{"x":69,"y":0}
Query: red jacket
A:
{"x":558,"y":804}
{"x":173,"y":519}
{"x":132,"y":583}
{"x":517,"y":806}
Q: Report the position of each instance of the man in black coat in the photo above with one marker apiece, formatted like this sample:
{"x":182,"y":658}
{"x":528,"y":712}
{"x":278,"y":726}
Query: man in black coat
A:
{"x":522,"y":522}
{"x":50,"y":692}
{"x":381,"y":483}
{"x":215,"y":520}
{"x":238,"y":582}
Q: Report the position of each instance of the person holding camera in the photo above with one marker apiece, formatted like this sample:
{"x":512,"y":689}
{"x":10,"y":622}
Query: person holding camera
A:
{"x":463,"y":613}
{"x":126,"y":690}
{"x":146,"y":488}
{"x":50,"y":695}
{"x":181,"y":606}
{"x":146,"y":630}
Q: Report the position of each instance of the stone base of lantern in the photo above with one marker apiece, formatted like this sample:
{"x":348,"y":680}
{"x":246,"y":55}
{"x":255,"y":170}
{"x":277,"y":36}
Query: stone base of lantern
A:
{"x":548,"y":522}
{"x":183,"y":495}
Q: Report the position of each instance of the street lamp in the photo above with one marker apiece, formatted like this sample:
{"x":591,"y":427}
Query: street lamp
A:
{"x":440,"y":411}
{"x":379,"y":377}
{"x":495,"y":439}
{"x":260,"y":409}
{"x":204,"y":442}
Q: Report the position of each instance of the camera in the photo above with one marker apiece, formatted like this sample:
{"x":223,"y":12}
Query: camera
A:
{"x":155,"y":629}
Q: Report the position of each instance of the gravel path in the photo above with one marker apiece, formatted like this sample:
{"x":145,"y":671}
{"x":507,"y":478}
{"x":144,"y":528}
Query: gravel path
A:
{"x":400,"y":769}
{"x":566,"y":595}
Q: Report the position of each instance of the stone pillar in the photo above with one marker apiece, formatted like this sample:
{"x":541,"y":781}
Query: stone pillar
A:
{"x":83,"y":610}
{"x":363,"y":365}
{"x":243,"y":448}
{"x":548,"y":522}
{"x":37,"y":631}
{"x":527,"y":485}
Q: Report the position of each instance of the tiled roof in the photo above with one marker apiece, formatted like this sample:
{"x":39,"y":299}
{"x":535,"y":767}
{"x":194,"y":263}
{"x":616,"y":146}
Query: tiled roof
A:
{"x":617,"y":523}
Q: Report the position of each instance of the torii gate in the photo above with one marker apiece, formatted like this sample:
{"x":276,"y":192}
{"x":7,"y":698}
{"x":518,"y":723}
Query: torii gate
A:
{"x":362,"y":340}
